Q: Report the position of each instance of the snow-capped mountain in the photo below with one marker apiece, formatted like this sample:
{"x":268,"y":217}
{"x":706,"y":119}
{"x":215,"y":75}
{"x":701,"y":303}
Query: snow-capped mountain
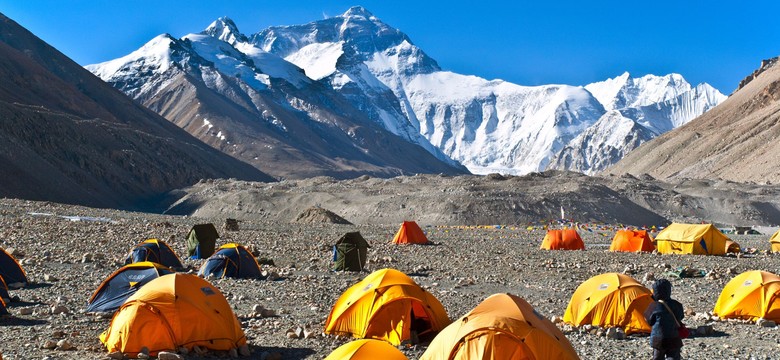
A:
{"x":489,"y":126}
{"x":262,"y":109}
{"x":638,"y":110}
{"x":359,"y":63}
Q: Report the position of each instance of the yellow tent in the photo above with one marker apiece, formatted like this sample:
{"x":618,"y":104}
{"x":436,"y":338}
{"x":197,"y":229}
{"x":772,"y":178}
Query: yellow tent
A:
{"x":503,"y":326}
{"x":775,"y":241}
{"x":386,"y":305}
{"x":697,"y":239}
{"x":366,"y":349}
{"x":610,"y":300}
{"x":750,"y":295}
{"x":172,"y":311}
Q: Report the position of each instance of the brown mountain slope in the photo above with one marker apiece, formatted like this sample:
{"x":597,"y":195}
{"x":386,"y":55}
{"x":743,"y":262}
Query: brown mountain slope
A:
{"x":737,"y":140}
{"x":67,"y":136}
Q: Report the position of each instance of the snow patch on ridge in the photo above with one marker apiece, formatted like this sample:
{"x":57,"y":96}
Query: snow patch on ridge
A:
{"x":318,"y":59}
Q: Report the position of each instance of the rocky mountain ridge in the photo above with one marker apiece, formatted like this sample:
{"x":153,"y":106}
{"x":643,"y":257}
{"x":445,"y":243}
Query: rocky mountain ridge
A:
{"x":376,"y":70}
{"x":69,"y":137}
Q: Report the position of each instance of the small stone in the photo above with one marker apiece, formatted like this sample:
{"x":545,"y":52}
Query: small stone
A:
{"x":243,"y":350}
{"x":167,"y":355}
{"x":183,"y":350}
{"x":87,"y":258}
{"x":616,"y":333}
{"x":233,"y":353}
{"x":116,"y":355}
{"x":704,"y":330}
{"x":299,"y":332}
{"x":198,"y":350}
{"x":649,"y":277}
{"x":25,"y":311}
{"x":59,"y":309}
{"x":14,"y":252}
{"x":59,"y":334}
{"x":556,"y":319}
{"x":49,"y":344}
{"x":308,"y":333}
{"x":257,"y":308}
{"x":267,"y":313}
{"x":765,"y":323}
{"x":64,"y":345}
{"x":144,"y":353}
{"x":48,"y":277}
{"x":291,"y":334}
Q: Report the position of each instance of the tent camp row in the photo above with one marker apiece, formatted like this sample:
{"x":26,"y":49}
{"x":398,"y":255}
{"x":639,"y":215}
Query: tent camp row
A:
{"x":387,"y":305}
{"x":617,"y":300}
{"x":350,"y":251}
{"x":153,"y":258}
{"x":697,"y":239}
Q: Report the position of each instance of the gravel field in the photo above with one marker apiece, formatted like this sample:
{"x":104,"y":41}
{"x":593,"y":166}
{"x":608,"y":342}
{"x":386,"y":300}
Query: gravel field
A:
{"x":66,"y":260}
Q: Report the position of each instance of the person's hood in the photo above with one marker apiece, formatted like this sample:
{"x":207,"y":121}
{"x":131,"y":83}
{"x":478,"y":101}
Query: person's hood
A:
{"x":662,"y":289}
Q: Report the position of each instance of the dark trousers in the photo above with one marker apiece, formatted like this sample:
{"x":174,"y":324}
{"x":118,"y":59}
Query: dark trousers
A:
{"x":666,"y":354}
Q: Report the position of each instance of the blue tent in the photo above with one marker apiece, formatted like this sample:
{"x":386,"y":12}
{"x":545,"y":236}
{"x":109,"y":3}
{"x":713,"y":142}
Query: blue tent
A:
{"x":123,"y":283}
{"x":231,"y":260}
{"x":11,"y":271}
{"x":155,"y":251}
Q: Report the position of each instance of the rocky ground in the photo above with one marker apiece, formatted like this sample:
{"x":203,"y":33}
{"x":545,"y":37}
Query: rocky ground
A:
{"x":66,"y":260}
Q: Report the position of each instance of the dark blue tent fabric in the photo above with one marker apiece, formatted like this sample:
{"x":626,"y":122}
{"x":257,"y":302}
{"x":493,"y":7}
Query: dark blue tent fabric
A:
{"x":4,"y":289}
{"x":3,"y":310}
{"x":231,"y":261}
{"x":155,"y":251}
{"x":113,"y":292}
{"x":11,"y":271}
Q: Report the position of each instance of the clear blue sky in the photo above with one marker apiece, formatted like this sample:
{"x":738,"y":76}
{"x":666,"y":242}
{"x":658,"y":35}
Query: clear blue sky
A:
{"x":527,"y":42}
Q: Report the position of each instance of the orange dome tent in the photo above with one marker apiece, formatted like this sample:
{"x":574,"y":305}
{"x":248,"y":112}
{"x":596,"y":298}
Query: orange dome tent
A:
{"x":503,"y":326}
{"x":386,"y":305}
{"x":366,"y":349}
{"x":610,"y":300}
{"x":567,"y":239}
{"x":750,"y":295}
{"x":173,"y":311}
{"x":410,"y":233}
{"x":632,"y":241}
{"x":696,"y":239}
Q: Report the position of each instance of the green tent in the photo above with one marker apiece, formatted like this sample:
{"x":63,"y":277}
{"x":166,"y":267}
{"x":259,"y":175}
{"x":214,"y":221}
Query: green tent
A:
{"x":201,"y":241}
{"x":350,"y":252}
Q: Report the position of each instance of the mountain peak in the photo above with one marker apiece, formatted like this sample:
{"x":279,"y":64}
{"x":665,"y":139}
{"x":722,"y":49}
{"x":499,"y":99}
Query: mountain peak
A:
{"x":224,"y":29}
{"x":358,"y":11}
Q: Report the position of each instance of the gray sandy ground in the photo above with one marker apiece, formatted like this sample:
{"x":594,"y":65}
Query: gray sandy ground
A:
{"x":465,"y":266}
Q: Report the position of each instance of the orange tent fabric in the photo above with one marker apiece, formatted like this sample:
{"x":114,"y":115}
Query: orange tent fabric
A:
{"x":632,"y":241}
{"x":610,"y":300}
{"x":567,"y":239}
{"x":502,"y":327}
{"x":366,"y":349}
{"x":172,"y":311}
{"x":750,"y":295}
{"x":410,"y":233}
{"x":386,"y":305}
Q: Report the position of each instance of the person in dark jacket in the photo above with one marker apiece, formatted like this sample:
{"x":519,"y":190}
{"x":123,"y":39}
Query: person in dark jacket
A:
{"x":664,"y":337}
